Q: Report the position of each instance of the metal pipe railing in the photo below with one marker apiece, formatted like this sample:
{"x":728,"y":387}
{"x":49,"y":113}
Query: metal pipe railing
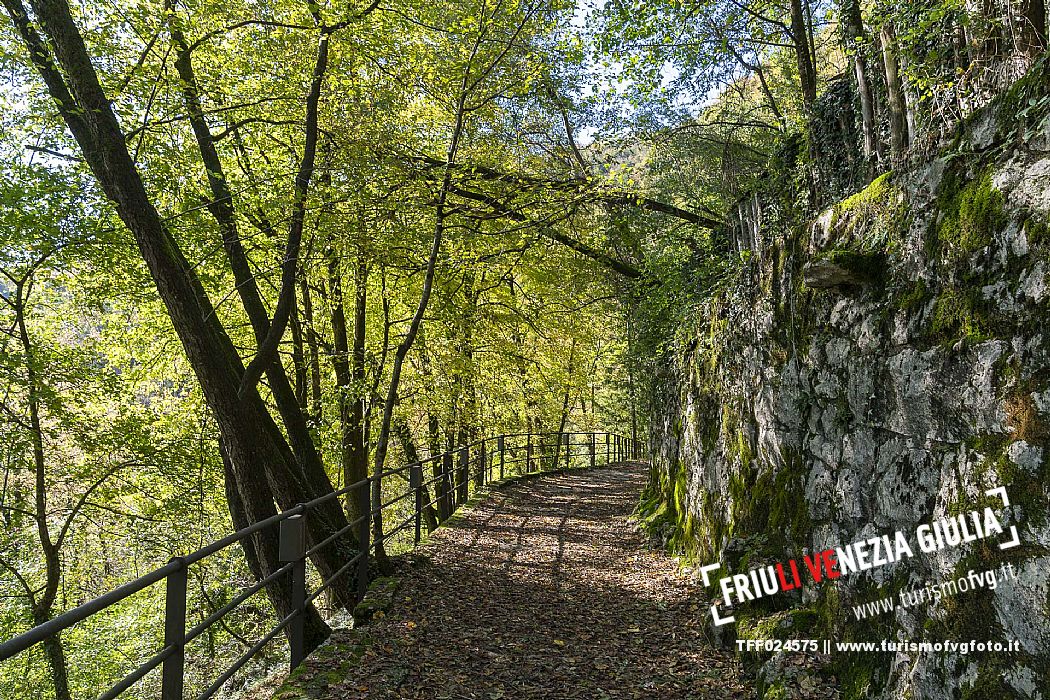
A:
{"x":472,"y":464}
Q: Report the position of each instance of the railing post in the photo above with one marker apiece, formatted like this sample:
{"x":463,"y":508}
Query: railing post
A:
{"x":568,"y":457}
{"x":483,"y":463}
{"x":292,"y":548}
{"x":591,"y":441}
{"x":608,"y":449}
{"x":172,"y":674}
{"x":415,"y":475}
{"x":463,"y":478}
{"x":528,"y":455}
{"x":364,"y":533}
{"x":448,"y":481}
{"x":502,"y":446}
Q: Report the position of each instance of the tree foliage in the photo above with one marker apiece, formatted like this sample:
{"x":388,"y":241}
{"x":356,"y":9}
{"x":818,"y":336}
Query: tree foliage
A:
{"x":252,"y":252}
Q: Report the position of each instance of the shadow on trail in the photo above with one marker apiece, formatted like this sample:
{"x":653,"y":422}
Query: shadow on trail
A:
{"x":544,"y":590}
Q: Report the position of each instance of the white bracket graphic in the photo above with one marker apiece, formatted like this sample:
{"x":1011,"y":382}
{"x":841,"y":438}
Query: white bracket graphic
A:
{"x":705,"y":573}
{"x":707,"y":569}
{"x":1015,"y":540}
{"x":719,"y":621}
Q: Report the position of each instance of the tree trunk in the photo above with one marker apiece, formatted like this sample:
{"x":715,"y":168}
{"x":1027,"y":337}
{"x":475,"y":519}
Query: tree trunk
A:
{"x":911,"y":100}
{"x":566,"y":398}
{"x":56,"y":658}
{"x":42,"y":606}
{"x":803,"y":54}
{"x":469,"y":416}
{"x":313,"y":351}
{"x":855,"y":38}
{"x":246,"y":427}
{"x":440,"y":215}
{"x":440,"y":474}
{"x":258,"y":550}
{"x":351,"y":447}
{"x":895,"y":94}
{"x":298,"y":359}
{"x":358,"y":429}
{"x":1034,"y":32}
{"x":408,"y":446}
{"x":222,"y":209}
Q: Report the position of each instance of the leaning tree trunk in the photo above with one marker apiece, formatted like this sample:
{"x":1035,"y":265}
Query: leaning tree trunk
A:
{"x":307,"y":459}
{"x":441,"y":214}
{"x":246,"y":428}
{"x":258,"y":549}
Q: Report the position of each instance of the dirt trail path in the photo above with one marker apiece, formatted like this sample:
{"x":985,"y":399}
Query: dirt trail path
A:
{"x":546,"y":591}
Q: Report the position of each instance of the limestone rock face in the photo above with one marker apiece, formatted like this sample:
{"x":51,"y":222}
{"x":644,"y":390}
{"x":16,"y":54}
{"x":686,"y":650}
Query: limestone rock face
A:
{"x":822,"y":402}
{"x":824,"y":274}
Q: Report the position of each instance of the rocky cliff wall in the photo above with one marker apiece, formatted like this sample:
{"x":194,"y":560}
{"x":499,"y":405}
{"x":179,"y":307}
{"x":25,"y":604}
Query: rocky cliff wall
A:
{"x":873,"y":369}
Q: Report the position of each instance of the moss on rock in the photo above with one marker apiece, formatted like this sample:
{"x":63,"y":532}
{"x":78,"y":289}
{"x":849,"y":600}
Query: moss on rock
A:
{"x":971,"y":212}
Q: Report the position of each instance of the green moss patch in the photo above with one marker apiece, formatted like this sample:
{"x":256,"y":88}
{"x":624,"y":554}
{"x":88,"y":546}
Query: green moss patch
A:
{"x":958,"y":314}
{"x":972,"y":212}
{"x":873,"y":219}
{"x":326,"y":667}
{"x":377,"y":600}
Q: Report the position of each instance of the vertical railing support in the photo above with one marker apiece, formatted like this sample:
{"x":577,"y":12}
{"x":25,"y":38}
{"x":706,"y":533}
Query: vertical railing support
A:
{"x":292,"y":548}
{"x":449,"y":480}
{"x":364,"y":534}
{"x":568,"y":457}
{"x":608,"y":449}
{"x":483,"y":463}
{"x":528,"y":455}
{"x":463,"y":477}
{"x":173,"y":672}
{"x":501,"y":445}
{"x":591,"y":441}
{"x":415,"y":476}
